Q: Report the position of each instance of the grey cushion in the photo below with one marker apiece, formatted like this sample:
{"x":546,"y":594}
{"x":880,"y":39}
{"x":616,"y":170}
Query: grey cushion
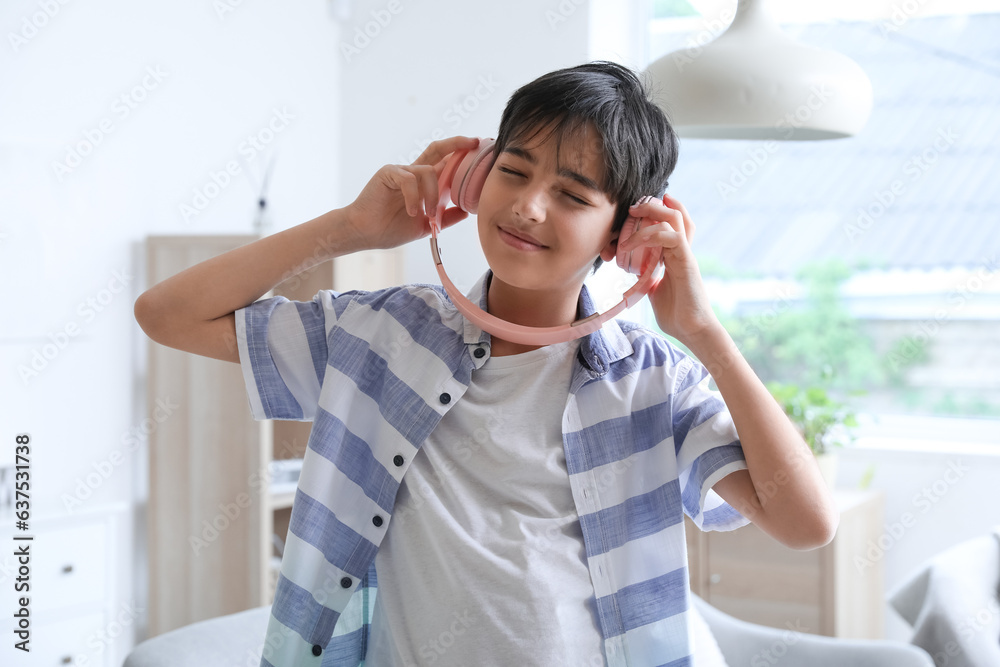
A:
{"x":236,"y":641}
{"x":233,"y":640}
{"x":953,"y":604}
{"x":745,"y":643}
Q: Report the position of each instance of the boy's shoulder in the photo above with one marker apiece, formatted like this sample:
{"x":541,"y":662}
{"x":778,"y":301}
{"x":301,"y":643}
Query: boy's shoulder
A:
{"x":638,"y":330}
{"x":642,"y":338}
{"x":410,"y":305}
{"x":406,"y":295}
{"x":652,"y":355}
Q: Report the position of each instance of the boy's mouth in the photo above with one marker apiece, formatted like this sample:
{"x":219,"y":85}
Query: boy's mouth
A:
{"x":518,"y":239}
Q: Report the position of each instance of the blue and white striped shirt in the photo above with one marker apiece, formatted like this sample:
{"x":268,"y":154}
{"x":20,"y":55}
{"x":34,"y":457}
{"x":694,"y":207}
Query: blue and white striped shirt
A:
{"x":644,"y":441}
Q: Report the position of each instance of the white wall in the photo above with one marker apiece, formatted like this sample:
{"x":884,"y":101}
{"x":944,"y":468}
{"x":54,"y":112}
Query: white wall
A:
{"x":71,"y":250}
{"x":72,"y":238}
{"x":402,"y":89}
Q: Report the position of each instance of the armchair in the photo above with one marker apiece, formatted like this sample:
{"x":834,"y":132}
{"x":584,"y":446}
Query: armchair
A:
{"x":235,"y":641}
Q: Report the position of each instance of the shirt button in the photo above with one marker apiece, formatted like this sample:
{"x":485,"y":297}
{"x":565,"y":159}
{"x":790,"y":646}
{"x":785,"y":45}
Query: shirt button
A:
{"x":445,"y":398}
{"x":397,"y":460}
{"x":317,"y":649}
{"x":377,"y":520}
{"x":346,"y":582}
{"x":479,"y":353}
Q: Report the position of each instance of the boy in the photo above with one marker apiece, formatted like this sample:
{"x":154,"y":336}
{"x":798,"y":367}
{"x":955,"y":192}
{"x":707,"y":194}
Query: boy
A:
{"x":518,"y":504}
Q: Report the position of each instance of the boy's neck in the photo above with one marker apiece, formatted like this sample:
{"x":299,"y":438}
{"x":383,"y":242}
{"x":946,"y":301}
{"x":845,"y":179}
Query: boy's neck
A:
{"x":532,"y":308}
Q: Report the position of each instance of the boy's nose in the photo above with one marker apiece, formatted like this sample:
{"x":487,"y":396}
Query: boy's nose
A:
{"x":530,"y":205}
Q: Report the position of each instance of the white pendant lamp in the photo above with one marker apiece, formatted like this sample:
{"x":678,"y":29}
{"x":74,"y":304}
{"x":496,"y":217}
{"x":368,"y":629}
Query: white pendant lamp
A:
{"x":755,"y":82}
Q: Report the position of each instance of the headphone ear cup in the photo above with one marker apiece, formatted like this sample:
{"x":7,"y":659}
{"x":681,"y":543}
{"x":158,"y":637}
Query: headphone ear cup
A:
{"x":467,"y":185}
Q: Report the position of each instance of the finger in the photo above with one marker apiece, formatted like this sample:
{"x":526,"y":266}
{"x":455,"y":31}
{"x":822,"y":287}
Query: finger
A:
{"x":438,"y":150}
{"x":453,"y":215}
{"x":655,"y":209}
{"x":658,"y":234}
{"x":643,"y":207}
{"x":406,"y":182}
{"x":659,"y":215}
{"x":651,"y":207}
{"x":675,"y":219}
{"x":688,"y":223}
{"x":428,"y":185}
{"x":666,"y":240}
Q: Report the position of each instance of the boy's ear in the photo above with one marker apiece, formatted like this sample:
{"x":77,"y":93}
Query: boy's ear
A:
{"x":609,"y":251}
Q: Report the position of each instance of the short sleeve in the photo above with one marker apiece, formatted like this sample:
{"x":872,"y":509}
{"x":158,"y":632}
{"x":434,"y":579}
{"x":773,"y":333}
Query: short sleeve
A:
{"x":283,"y":354}
{"x":708,"y":448}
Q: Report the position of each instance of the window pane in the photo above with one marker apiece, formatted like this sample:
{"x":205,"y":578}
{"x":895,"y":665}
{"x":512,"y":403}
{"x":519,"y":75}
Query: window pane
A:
{"x":867,"y":264}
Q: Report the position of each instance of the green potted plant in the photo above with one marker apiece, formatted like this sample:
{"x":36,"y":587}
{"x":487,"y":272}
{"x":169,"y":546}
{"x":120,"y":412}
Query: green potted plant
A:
{"x":824,"y":423}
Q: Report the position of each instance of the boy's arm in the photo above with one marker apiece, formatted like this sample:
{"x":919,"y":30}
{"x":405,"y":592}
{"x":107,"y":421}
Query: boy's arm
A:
{"x":194,"y":310}
{"x":781,"y":490}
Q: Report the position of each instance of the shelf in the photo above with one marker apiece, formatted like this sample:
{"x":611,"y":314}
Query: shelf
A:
{"x":282,"y":495}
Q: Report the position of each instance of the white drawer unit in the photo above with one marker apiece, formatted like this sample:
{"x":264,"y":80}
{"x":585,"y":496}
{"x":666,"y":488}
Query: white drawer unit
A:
{"x":75,"y":600}
{"x":72,"y":641}
{"x":69,"y":567}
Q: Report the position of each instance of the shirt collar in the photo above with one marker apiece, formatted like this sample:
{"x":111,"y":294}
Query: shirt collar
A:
{"x":598,"y":350}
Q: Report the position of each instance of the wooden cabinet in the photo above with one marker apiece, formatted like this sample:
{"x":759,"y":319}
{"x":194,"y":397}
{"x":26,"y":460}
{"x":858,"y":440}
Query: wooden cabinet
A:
{"x":212,"y":509}
{"x":835,"y":591}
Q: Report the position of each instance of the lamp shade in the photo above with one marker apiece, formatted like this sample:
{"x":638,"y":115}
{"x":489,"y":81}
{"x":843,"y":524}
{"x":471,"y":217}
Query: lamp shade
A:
{"x":755,"y":82}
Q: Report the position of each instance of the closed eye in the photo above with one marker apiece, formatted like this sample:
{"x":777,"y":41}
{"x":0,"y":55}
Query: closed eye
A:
{"x":574,"y":198}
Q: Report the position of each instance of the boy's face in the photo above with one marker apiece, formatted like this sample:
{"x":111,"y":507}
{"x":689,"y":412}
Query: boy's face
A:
{"x":543,"y":222}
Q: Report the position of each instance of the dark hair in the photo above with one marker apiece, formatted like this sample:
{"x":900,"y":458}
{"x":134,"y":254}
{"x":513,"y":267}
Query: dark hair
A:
{"x":638,"y":144}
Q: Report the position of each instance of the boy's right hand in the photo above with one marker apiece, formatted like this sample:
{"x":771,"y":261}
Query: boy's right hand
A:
{"x":396,"y":205}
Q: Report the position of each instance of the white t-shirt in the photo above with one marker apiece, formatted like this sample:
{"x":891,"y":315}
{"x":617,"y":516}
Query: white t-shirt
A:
{"x":483,"y":562}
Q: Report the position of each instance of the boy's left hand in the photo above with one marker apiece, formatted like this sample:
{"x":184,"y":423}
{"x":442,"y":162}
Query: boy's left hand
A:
{"x":679,"y":300}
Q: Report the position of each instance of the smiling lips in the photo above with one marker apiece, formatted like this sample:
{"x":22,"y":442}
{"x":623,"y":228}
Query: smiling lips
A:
{"x":519,"y":239}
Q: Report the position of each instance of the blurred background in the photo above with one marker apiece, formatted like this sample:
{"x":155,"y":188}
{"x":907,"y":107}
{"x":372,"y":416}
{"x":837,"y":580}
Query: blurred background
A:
{"x":864,"y":267}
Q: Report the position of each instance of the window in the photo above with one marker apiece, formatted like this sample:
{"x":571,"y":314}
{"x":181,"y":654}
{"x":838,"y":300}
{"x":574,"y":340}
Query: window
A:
{"x":869,"y":265}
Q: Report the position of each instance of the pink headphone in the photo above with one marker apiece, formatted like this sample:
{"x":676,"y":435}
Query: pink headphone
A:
{"x":462,"y":181}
